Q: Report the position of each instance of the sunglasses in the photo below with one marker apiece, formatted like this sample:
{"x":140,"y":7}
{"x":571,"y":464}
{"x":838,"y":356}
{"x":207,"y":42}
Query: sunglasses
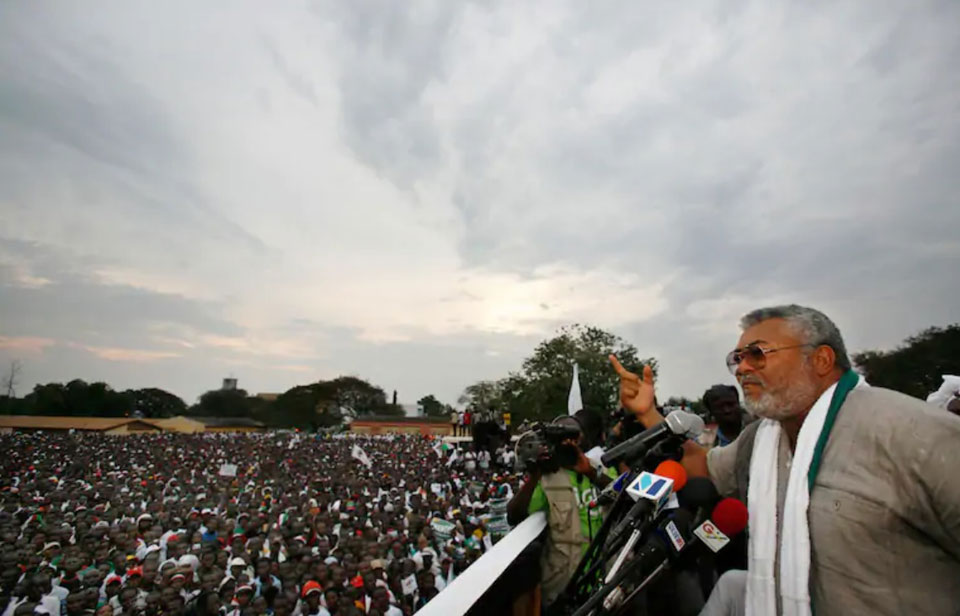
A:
{"x":755,"y":355}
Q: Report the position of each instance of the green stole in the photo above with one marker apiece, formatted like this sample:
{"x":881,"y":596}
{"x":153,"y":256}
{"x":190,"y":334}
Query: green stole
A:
{"x":846,"y":383}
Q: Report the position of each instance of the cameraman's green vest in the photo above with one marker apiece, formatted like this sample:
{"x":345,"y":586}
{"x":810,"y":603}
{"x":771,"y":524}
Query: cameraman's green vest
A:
{"x":564,"y":539}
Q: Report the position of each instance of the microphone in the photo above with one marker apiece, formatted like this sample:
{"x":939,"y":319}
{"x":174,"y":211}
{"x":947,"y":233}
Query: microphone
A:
{"x":609,"y":494}
{"x":676,"y":424}
{"x":652,"y":492}
{"x":728,"y":519}
{"x":650,"y":559}
{"x":699,"y":496}
{"x":674,"y":470}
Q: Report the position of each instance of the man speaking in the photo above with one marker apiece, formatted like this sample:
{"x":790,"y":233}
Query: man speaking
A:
{"x":853,"y":491}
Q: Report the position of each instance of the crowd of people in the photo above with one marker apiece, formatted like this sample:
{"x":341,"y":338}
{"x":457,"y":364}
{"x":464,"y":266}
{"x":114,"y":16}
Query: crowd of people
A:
{"x":241,"y":525}
{"x":289,"y":524}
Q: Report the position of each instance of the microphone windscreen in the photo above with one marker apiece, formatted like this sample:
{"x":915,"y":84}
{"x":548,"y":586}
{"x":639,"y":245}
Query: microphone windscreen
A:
{"x":730,"y":516}
{"x":673,"y":470}
{"x":683,"y":519}
{"x":699,"y":492}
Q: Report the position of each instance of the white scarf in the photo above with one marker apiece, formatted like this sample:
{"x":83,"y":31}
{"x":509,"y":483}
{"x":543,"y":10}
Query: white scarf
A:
{"x":762,"y":498}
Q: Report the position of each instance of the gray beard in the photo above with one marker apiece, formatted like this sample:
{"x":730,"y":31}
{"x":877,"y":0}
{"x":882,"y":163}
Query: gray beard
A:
{"x":797,"y":398}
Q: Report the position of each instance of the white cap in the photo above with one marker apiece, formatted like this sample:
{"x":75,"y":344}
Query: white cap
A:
{"x":49,"y":546}
{"x":237,"y":562}
{"x":189,"y":560}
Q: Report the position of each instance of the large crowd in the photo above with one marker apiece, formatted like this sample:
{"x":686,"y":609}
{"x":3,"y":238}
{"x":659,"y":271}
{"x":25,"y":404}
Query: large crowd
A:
{"x":286,"y":524}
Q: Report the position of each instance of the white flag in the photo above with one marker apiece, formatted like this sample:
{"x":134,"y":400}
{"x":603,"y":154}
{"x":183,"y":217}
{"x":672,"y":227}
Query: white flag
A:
{"x":409,"y":584}
{"x":359,"y":454}
{"x":452,"y":458}
{"x":947,"y":391}
{"x":574,"y":401}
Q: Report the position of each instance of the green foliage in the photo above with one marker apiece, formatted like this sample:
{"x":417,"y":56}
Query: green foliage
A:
{"x":11,"y":405}
{"x":355,"y":396}
{"x":394,"y":410}
{"x":326,"y":403}
{"x":223,"y":403}
{"x":81,"y":399}
{"x":539,"y":391}
{"x":481,"y":396}
{"x":299,"y":406}
{"x":154,"y":402}
{"x":917,"y":366}
{"x":76,"y":398}
{"x":433,"y":407}
{"x":317,"y":405}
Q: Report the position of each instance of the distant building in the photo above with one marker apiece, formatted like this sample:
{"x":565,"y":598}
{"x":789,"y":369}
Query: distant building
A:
{"x":401,"y":425}
{"x":231,"y":424}
{"x":229,"y":384}
{"x":105,"y":425}
{"x":128,"y":425}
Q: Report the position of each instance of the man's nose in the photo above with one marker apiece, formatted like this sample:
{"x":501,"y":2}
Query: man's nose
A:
{"x":744,"y":368}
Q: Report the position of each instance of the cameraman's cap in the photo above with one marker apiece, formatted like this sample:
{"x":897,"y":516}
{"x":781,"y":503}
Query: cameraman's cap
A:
{"x":568,"y":421}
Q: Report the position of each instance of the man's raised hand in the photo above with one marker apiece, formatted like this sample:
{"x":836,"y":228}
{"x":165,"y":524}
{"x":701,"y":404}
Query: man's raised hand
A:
{"x":636,"y":394}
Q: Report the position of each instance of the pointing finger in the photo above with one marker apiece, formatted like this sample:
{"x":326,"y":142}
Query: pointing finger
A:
{"x":648,"y":375}
{"x":618,"y":367}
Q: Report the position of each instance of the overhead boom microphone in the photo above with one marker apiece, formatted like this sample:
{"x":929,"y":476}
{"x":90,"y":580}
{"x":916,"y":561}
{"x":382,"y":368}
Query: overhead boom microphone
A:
{"x":677,"y":423}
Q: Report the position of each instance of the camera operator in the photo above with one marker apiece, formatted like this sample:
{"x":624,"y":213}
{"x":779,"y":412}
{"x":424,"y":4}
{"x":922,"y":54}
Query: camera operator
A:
{"x":563,"y":483}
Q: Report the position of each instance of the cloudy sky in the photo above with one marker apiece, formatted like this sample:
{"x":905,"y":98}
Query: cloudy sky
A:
{"x":419,"y":192}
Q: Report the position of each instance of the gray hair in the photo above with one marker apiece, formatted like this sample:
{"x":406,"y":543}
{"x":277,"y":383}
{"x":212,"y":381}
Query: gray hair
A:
{"x":811,"y":325}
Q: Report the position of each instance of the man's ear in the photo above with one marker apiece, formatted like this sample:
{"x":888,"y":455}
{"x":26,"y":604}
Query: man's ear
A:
{"x":824,"y":360}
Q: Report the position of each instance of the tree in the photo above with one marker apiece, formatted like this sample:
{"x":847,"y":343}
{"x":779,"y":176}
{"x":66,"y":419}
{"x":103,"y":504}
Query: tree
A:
{"x":327,"y":403}
{"x":47,"y":399}
{"x":550,"y":369}
{"x":12,"y":406}
{"x":432,"y":407}
{"x":154,"y":402}
{"x":480,"y":396}
{"x":540,"y":390}
{"x":10,"y":379}
{"x":355,"y":396}
{"x":298,"y":406}
{"x":917,"y":366}
{"x":77,"y":398}
{"x":223,"y":403}
{"x":9,"y":403}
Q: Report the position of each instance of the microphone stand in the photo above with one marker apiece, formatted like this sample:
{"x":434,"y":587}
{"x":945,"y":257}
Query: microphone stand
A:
{"x":585,"y":578}
{"x":610,"y":586}
{"x":585,"y":574}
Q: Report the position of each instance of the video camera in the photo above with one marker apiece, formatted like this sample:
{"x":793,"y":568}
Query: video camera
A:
{"x":550,"y":436}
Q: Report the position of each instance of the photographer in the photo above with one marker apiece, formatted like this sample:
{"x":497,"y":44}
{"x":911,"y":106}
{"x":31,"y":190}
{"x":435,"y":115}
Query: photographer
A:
{"x":562,"y":483}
